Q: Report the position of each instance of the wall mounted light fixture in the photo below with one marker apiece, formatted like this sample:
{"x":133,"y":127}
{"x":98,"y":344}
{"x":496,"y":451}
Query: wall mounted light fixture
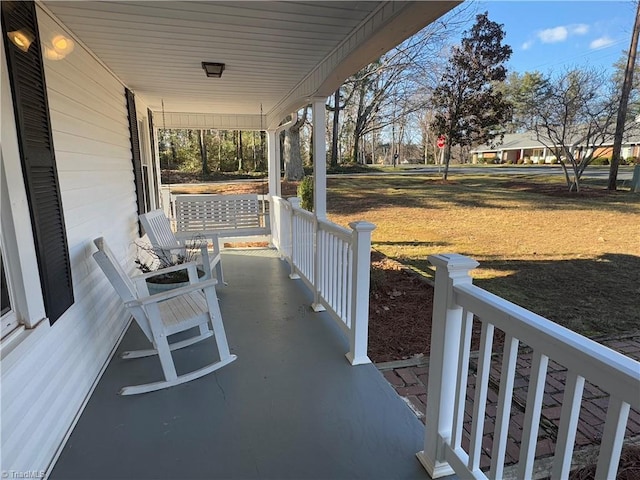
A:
{"x":21,"y":39}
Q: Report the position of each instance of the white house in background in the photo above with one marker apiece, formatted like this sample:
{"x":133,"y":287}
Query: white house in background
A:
{"x":525,"y":148}
{"x":84,"y":86}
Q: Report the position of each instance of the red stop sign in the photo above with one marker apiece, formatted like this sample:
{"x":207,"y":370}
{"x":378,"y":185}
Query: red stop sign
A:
{"x":441,"y":141}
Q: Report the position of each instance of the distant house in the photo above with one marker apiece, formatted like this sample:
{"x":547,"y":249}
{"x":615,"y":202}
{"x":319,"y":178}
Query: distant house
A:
{"x":525,"y":148}
{"x":515,"y":148}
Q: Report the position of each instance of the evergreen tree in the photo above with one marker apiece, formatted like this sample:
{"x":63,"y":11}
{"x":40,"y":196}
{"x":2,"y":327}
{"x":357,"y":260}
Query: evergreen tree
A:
{"x":518,"y":89}
{"x":469,"y":107}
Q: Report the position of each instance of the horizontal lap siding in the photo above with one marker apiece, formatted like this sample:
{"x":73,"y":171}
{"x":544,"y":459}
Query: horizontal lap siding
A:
{"x":43,"y":391}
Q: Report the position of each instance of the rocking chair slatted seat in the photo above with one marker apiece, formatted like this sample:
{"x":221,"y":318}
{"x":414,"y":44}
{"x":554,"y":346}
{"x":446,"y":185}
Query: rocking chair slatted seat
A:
{"x":157,"y":227}
{"x":166,"y":313}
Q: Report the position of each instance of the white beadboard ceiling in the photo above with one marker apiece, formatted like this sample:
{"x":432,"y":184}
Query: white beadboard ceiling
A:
{"x":270,"y":48}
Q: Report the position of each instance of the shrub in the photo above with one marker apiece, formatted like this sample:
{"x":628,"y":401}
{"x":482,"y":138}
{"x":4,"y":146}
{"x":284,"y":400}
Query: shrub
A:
{"x":305,"y":192}
{"x":600,"y":161}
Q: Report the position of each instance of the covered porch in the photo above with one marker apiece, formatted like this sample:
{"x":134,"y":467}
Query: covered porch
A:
{"x":101,"y":78}
{"x":290,"y":406}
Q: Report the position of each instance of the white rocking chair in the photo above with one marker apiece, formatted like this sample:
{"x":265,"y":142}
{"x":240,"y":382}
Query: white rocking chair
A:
{"x":167,"y":313}
{"x":157,"y":227}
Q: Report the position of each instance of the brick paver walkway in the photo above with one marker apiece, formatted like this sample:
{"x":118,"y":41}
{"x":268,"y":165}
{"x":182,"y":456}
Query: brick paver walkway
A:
{"x":411,"y":383}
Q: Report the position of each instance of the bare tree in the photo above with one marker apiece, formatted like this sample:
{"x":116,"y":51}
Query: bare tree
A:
{"x":573,"y":115}
{"x":386,"y":90}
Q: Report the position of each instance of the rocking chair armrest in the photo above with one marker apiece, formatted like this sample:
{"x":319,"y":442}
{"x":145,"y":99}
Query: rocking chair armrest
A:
{"x":176,"y":292}
{"x":174,"y":268}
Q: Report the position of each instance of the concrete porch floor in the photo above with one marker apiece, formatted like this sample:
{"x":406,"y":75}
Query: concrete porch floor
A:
{"x":290,"y":406}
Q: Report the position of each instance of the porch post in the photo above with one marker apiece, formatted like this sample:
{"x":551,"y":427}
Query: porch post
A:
{"x":319,"y":158}
{"x":451,"y":269}
{"x":359,"y":331}
{"x":273,"y":163}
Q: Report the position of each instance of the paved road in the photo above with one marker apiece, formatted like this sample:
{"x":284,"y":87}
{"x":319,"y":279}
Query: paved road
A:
{"x":625,"y":172}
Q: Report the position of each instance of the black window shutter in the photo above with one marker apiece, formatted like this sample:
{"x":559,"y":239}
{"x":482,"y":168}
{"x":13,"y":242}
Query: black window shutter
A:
{"x":152,"y":139}
{"x":135,"y":152}
{"x":31,"y":106}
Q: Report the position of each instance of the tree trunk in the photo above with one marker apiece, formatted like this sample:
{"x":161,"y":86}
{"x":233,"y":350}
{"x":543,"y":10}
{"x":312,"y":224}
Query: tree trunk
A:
{"x":203,"y":154}
{"x":219,"y":151}
{"x":174,"y":153}
{"x":624,"y":100}
{"x":240,"y":166}
{"x":359,"y":127}
{"x":447,"y":159}
{"x":293,"y":170}
{"x":334,"y":137}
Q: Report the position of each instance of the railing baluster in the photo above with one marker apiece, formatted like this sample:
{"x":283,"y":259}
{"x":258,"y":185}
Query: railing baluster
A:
{"x":349,"y":286}
{"x":480,"y":399}
{"x":569,"y":416}
{"x":332,"y":274}
{"x":462,"y":378}
{"x":509,"y":357}
{"x":339,"y":278}
{"x":535,"y":394}
{"x":612,"y":438}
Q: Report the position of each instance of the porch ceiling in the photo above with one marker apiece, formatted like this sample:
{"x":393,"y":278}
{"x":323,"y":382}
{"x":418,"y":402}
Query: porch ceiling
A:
{"x":276,"y":53}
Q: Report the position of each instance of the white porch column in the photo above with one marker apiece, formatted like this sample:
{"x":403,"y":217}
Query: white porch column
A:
{"x":319,"y":158}
{"x":451,"y":269}
{"x":273,"y":159}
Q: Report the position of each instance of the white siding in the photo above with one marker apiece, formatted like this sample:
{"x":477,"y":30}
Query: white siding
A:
{"x":45,"y":386}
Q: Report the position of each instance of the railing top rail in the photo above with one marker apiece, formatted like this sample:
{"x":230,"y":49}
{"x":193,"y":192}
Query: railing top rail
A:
{"x":208,"y":196}
{"x":301,"y":212}
{"x":615,"y":373}
{"x":335,"y":229}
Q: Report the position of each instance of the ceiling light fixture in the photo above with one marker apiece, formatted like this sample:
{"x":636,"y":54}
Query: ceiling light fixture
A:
{"x":62,"y":45}
{"x":213,"y":69}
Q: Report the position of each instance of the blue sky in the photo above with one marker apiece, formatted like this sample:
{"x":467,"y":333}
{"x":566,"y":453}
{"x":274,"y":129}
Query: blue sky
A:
{"x":552,"y":35}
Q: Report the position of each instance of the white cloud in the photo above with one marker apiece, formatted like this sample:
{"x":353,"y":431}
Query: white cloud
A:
{"x":553,"y":35}
{"x":527,"y":45}
{"x":601,"y":42}
{"x":579,"y":29}
{"x":562,"y":32}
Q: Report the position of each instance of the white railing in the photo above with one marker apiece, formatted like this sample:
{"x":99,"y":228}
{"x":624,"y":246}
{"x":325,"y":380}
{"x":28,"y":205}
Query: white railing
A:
{"x":456,"y":302}
{"x":334,"y":262}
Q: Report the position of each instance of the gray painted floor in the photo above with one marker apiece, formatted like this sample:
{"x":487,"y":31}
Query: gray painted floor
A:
{"x":290,"y":406}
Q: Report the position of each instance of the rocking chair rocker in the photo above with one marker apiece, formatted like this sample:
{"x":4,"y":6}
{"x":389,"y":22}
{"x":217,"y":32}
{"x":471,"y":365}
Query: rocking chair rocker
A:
{"x":167,"y":313}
